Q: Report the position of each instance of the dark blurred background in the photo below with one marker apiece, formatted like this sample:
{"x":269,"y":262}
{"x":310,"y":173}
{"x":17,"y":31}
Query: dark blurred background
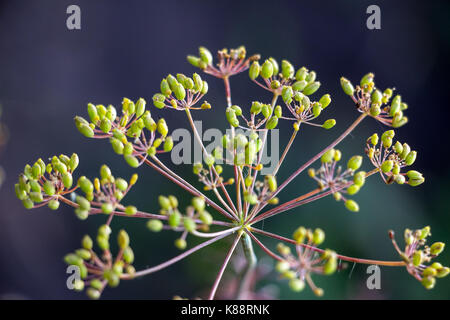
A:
{"x":48,"y":74}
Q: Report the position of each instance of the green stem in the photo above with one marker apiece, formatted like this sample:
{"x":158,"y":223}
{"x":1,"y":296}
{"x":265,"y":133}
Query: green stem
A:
{"x":250,"y":256}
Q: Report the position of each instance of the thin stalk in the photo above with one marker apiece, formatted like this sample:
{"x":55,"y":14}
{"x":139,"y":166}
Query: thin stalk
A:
{"x":199,"y":140}
{"x":339,"y":256}
{"x":224,"y":265}
{"x":185,"y":185}
{"x":175,"y":259}
{"x":250,"y":256}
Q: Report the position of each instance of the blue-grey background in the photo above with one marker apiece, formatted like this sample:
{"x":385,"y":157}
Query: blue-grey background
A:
{"x":48,"y":74}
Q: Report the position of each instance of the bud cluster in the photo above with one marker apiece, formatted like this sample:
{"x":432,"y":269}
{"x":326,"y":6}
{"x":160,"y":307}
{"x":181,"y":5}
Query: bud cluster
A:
{"x":231,"y":61}
{"x":390,"y":158}
{"x":43,"y":183}
{"x":105,"y":123}
{"x":298,"y":268}
{"x":103,"y":195}
{"x":98,"y":271}
{"x":332,"y":176}
{"x":181,"y":92}
{"x":195,"y":213}
{"x":269,"y":116}
{"x":374,"y":102}
{"x":416,"y":254}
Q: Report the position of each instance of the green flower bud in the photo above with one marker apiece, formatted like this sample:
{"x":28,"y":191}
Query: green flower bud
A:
{"x":168,"y":144}
{"x":328,"y":156}
{"x":287,"y":70}
{"x":256,"y":107}
{"x":251,"y":198}
{"x":429,"y":271}
{"x":278,"y":111}
{"x":301,"y":74}
{"x":353,"y":189}
{"x":428,"y":282}
{"x":286,"y":94}
{"x":254,"y":70}
{"x":130,"y":210}
{"x":271,"y":183}
{"x":272,"y":123}
{"x":412,"y":174}
{"x":325,"y":101}
{"x":35,"y":186}
{"x":387,"y":166}
{"x":330,"y":266}
{"x":49,"y":188}
{"x":442,"y":272}
{"x":83,"y":203}
{"x":107,"y":208}
{"x":411,"y":158}
{"x":205,"y":55}
{"x":164,"y":203}
{"x":73,"y":260}
{"x":425,"y":232}
{"x":123,"y":239}
{"x":296,"y":285}
{"x":275,"y":84}
{"x":189,"y":224}
{"x":311,"y":88}
{"x":359,"y":178}
{"x":330,"y":123}
{"x":128,"y":255}
{"x":417,"y":258}
{"x":375,"y":110}
{"x":105,"y":125}
{"x":198,"y":203}
{"x":395,"y":106}
{"x":231,"y":117}
{"x":267,"y":69}
{"x":399,"y":179}
{"x":354,"y":163}
{"x":86,"y":242}
{"x":121,"y":184}
{"x":53,"y":204}
{"x":84,"y":254}
{"x":179,"y":91}
{"x":436,"y":248}
{"x":299,"y":234}
{"x":266,"y":110}
{"x":132,"y":161}
{"x":154,"y":225}
{"x":92,"y":112}
{"x":366,"y":79}
{"x":81,"y":214}
{"x":316,"y":109}
{"x":28,"y":203}
{"x":86,"y":130}
{"x":180,"y":243}
{"x":85,"y":185}
{"x":174,"y":219}
{"x":36,"y":197}
{"x":173,"y":201}
{"x":282,"y":266}
{"x":398,"y":148}
{"x":351,"y":205}
{"x":206,"y":217}
{"x":347,"y":86}
{"x":274,"y":65}
{"x":195,"y":61}
{"x":105,"y":172}
{"x":237,"y":110}
{"x":318,"y":236}
{"x":376,"y":96}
